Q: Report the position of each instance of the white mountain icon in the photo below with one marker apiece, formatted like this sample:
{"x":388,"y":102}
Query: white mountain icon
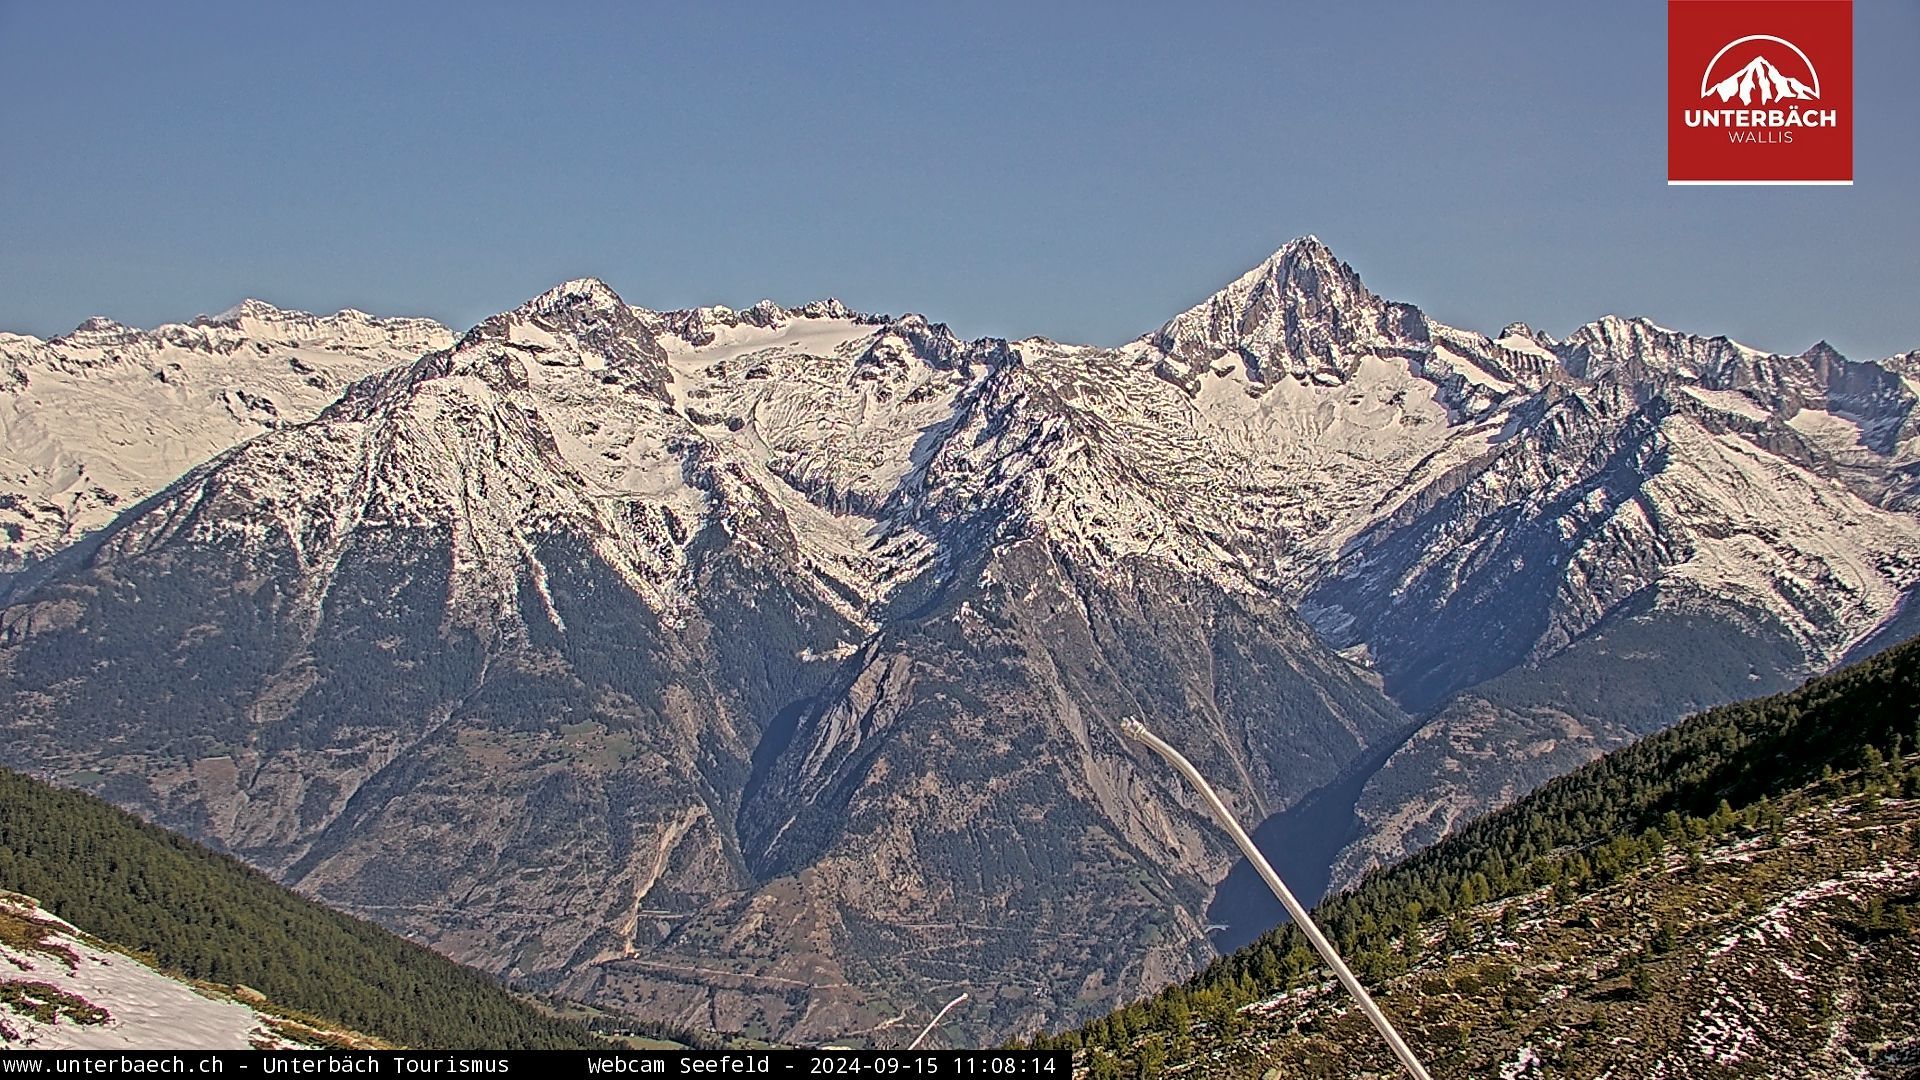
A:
{"x":1760,"y":79}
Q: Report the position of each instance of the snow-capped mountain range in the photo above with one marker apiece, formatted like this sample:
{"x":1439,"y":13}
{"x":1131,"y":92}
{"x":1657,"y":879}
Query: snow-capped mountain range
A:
{"x":95,"y":420}
{"x":759,"y":668}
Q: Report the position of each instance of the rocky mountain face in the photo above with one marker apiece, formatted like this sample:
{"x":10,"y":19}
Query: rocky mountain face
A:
{"x":1701,"y":522}
{"x":760,"y":669}
{"x":98,"y":419}
{"x":740,"y":683}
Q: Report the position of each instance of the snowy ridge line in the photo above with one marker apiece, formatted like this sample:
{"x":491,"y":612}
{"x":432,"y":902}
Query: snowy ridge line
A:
{"x":93,"y":421}
{"x":1280,"y":438}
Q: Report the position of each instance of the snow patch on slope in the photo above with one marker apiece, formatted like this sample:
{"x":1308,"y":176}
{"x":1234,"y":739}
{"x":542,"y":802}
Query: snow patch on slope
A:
{"x":92,"y":422}
{"x":144,"y":1008}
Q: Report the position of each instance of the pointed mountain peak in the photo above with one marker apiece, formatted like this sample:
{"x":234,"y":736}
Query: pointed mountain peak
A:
{"x":701,"y":325}
{"x":577,"y":309}
{"x":1309,"y":248}
{"x":766,"y":314}
{"x":578,"y":323}
{"x":829,"y":308}
{"x":1302,"y":266}
{"x":580,"y":308}
{"x":98,"y":331}
{"x":1522,"y":337}
{"x":1301,"y":313}
{"x":936,"y":343}
{"x":1907,"y":363}
{"x":1300,"y":261}
{"x":579,"y":294}
{"x":1612,"y":340}
{"x":1618,"y":328}
{"x":1823,"y":354}
{"x":250,"y":308}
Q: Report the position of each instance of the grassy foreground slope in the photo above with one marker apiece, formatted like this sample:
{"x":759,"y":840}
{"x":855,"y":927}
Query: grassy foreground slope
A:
{"x":1680,"y":836}
{"x":210,"y":918}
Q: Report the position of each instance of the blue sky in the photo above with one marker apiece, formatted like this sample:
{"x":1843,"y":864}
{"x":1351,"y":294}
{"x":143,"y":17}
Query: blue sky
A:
{"x":1080,"y":170}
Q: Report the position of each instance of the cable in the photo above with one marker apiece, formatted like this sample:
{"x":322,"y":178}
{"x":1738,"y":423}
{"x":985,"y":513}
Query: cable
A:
{"x":1132,"y":728}
{"x":915,"y":1044}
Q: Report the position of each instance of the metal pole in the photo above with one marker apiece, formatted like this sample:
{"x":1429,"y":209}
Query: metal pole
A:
{"x":1132,"y":728}
{"x":915,"y":1044}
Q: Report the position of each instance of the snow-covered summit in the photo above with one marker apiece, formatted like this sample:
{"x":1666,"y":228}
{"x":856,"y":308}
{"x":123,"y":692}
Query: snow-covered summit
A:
{"x":587,"y":294}
{"x":702,"y":326}
{"x":1519,"y":334}
{"x":580,"y":323}
{"x":1906,"y":364}
{"x":251,"y":308}
{"x":96,"y":419}
{"x":1301,"y":314}
{"x":101,"y":341}
{"x":1252,"y":439}
{"x":98,"y":331}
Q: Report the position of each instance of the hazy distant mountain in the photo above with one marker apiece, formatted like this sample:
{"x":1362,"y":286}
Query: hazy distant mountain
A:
{"x":759,"y":669}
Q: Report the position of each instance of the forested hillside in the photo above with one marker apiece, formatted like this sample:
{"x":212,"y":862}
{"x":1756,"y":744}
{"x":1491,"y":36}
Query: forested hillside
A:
{"x":1799,"y":797}
{"x":208,"y":917}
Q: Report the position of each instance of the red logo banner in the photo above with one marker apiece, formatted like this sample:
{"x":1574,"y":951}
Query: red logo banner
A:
{"x":1759,"y":91}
